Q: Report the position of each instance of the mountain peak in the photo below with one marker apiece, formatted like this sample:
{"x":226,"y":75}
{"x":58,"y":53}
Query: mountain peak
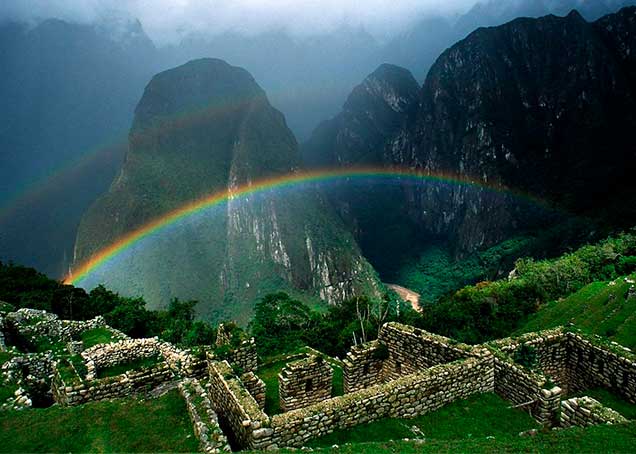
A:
{"x":391,"y":85}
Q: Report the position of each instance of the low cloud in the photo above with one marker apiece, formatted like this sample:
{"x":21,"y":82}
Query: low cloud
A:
{"x":169,"y":20}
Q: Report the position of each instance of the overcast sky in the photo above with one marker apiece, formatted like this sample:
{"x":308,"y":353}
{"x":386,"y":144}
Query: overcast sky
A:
{"x":167,"y":20}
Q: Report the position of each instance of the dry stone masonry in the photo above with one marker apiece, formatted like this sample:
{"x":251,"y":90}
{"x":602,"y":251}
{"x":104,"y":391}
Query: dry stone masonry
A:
{"x":203,"y":417}
{"x":305,"y":382}
{"x":585,"y":411}
{"x":405,"y":373}
{"x":408,"y":372}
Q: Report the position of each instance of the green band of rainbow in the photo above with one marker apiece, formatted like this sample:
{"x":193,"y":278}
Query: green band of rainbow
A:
{"x":277,"y":182}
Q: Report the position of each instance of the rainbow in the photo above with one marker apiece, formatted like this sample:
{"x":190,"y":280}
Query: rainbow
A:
{"x":277,"y":182}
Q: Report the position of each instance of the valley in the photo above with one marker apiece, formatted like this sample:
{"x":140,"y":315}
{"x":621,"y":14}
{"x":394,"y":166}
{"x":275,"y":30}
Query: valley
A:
{"x":232,"y":235}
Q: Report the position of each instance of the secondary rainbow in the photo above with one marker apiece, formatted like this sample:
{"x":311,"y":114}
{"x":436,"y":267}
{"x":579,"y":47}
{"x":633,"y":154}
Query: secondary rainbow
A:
{"x":277,"y":182}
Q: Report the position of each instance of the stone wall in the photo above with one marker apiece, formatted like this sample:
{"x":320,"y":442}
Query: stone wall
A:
{"x":173,"y":361}
{"x":130,"y":382}
{"x":33,"y":323}
{"x":585,"y":411}
{"x":363,"y":366}
{"x":577,"y":362}
{"x":413,"y":350}
{"x":245,"y":356}
{"x":247,"y":425}
{"x":526,"y":390}
{"x":256,"y":387}
{"x":405,"y":397}
{"x":593,"y":363}
{"x":204,"y":419}
{"x":304,"y":382}
{"x":102,"y":356}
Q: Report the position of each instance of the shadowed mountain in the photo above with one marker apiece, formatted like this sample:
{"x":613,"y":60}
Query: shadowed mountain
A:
{"x":542,"y":106}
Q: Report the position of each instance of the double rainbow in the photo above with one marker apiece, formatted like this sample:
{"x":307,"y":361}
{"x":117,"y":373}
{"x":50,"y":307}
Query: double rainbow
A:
{"x":278,"y":182}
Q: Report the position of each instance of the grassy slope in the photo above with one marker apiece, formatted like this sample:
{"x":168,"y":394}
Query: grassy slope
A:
{"x":476,"y":417}
{"x":593,"y":310}
{"x":122,"y":425}
{"x":615,"y":439}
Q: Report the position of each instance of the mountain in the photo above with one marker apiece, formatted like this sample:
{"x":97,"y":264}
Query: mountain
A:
{"x":418,"y":47}
{"x":498,"y":108}
{"x":306,"y":77}
{"x":68,"y":93}
{"x":373,"y":114}
{"x":201,"y":128}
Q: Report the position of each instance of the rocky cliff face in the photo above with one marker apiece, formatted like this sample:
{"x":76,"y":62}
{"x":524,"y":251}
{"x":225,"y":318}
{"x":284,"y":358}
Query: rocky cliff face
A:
{"x":541,"y":106}
{"x":201,"y":128}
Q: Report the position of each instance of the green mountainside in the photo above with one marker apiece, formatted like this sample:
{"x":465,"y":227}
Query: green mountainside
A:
{"x":201,"y":128}
{"x":606,"y":308}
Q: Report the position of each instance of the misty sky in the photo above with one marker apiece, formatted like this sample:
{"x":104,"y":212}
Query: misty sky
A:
{"x":167,"y":20}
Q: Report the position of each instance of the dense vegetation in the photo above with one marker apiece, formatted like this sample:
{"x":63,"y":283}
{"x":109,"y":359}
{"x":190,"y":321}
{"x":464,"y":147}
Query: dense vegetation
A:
{"x":435,"y":270}
{"x":25,"y":287}
{"x":488,"y":310}
{"x":603,"y":307}
{"x":473,"y":314}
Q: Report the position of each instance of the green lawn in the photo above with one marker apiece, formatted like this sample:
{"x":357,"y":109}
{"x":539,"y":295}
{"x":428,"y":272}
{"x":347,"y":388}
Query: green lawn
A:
{"x":611,"y":400}
{"x":592,"y":310}
{"x":7,"y":391}
{"x":269,"y":374}
{"x":5,"y":356}
{"x":597,"y":439}
{"x":118,"y":369}
{"x":121,"y":425}
{"x":477,"y":417}
{"x":96,"y":336}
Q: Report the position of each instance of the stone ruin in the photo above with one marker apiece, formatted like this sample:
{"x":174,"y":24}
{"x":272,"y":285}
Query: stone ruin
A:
{"x":405,"y":373}
{"x":304,"y":382}
{"x":408,"y":372}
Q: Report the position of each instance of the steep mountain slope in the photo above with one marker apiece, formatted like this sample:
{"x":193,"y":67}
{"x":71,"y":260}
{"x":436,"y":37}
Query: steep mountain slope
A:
{"x":68,"y":95}
{"x":201,"y":128}
{"x":542,"y":106}
{"x":498,"y":107}
{"x":374,"y":113}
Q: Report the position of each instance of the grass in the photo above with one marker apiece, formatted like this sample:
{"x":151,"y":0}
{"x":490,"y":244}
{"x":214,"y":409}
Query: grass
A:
{"x":269,"y":374}
{"x":121,"y":425}
{"x":598,"y":308}
{"x":7,"y":391}
{"x":611,"y":400}
{"x":118,"y":369}
{"x":96,"y":336}
{"x":5,"y":356}
{"x":597,"y":439}
{"x":476,"y":417}
{"x":70,"y":367}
